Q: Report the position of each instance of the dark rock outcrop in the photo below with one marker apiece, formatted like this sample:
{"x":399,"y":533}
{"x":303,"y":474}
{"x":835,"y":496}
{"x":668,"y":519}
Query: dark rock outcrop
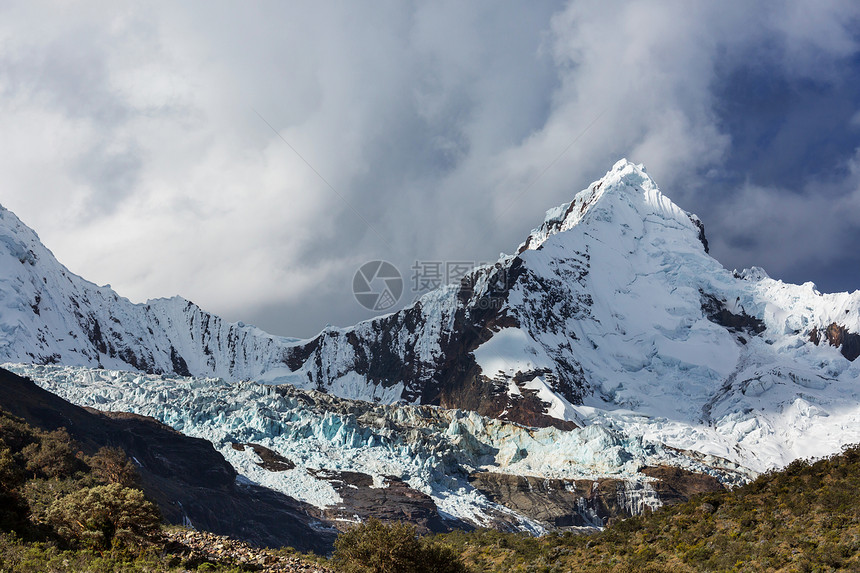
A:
{"x":840,"y":337}
{"x":701,"y":227}
{"x":269,"y":459}
{"x":716,"y":311}
{"x":588,"y":503}
{"x":393,"y":502}
{"x":554,"y":502}
{"x":675,"y":485}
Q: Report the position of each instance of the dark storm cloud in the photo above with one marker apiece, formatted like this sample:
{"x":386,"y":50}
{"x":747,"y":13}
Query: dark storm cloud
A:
{"x":434,"y":131}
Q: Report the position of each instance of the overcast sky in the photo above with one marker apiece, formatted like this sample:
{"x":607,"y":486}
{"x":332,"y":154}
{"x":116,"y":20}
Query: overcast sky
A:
{"x":251,"y":156}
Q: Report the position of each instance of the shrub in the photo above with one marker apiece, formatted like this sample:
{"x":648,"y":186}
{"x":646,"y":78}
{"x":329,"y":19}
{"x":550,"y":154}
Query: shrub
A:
{"x":374,"y":547}
{"x":15,"y":433}
{"x":103,"y":516}
{"x":437,"y":558}
{"x":53,"y":456}
{"x":111,"y":465}
{"x":13,"y":508}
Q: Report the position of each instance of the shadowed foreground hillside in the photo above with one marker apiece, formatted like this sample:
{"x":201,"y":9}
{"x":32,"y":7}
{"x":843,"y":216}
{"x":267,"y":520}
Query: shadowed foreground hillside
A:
{"x":62,"y":510}
{"x":805,"y":518}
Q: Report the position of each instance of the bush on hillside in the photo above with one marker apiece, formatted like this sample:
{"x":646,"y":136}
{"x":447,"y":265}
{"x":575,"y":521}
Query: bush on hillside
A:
{"x":13,"y":507}
{"x":374,"y":547}
{"x":104,"y":516}
{"x":111,"y":465}
{"x":53,"y":456}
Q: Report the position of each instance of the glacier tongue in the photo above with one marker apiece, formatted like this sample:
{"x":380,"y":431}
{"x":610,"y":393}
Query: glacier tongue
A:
{"x":432,"y":449}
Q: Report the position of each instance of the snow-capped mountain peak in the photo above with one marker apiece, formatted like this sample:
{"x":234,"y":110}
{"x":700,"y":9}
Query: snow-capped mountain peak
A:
{"x":625,"y":193}
{"x":50,"y":315}
{"x":612,"y":312}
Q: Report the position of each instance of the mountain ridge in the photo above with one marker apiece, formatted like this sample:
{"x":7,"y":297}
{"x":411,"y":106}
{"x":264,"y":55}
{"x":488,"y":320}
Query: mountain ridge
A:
{"x":613,"y":304}
{"x":51,"y":315}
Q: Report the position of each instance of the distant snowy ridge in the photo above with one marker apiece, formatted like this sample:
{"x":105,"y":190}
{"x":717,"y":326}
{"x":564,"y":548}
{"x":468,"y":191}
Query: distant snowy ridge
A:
{"x":50,"y":315}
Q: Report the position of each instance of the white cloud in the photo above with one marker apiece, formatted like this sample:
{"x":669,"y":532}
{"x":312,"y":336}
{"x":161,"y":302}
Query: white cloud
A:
{"x":132,"y":143}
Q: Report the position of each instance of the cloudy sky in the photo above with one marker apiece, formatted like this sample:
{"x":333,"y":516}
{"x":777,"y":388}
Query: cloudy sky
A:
{"x":251,"y":156}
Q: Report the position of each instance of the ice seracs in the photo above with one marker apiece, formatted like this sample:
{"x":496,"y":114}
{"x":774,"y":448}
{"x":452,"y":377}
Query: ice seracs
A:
{"x":435,"y":451}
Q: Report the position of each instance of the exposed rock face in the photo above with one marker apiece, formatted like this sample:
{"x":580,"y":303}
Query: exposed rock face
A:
{"x":838,"y":336}
{"x":676,"y":485}
{"x":701,"y":226}
{"x":561,"y":503}
{"x":525,"y":406}
{"x":553,"y":502}
{"x":392,"y":502}
{"x":716,"y":310}
{"x":269,"y":459}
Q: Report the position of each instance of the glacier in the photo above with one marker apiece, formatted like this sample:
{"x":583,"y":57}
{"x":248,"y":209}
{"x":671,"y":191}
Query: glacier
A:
{"x":432,"y":449}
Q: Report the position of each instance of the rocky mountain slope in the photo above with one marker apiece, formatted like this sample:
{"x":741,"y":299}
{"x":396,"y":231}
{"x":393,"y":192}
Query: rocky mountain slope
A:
{"x":191,"y":483}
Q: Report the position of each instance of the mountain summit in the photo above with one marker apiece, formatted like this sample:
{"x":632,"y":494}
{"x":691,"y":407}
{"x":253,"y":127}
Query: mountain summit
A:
{"x":611,"y":312}
{"x":625,"y":180}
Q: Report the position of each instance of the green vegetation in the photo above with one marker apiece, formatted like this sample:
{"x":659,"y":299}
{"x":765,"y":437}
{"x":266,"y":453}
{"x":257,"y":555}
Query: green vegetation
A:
{"x":62,"y":510}
{"x":374,"y":547}
{"x":53,"y":491}
{"x":105,"y":516}
{"x":804,"y":518}
{"x":37,"y":557}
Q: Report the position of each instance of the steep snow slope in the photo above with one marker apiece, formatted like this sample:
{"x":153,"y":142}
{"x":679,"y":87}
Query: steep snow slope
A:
{"x":50,"y":315}
{"x":434,"y":450}
{"x":614,"y":306}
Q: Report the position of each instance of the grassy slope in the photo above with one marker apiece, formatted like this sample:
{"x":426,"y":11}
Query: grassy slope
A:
{"x":805,"y":518}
